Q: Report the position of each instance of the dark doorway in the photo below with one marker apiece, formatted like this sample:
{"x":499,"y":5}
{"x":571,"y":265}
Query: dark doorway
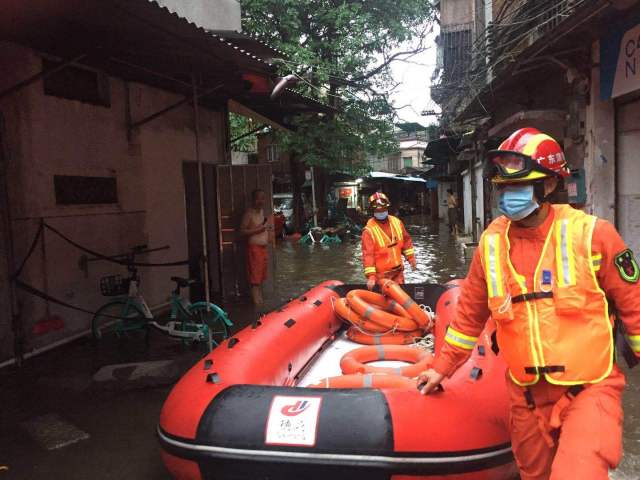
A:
{"x":194,"y":228}
{"x":234,"y":186}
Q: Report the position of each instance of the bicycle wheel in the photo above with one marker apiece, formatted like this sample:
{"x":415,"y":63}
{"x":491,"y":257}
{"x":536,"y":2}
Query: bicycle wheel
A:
{"x":214,"y":317}
{"x":116,"y":318}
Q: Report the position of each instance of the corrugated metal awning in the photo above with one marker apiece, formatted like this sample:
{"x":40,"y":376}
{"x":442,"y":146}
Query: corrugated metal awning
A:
{"x":139,"y":40}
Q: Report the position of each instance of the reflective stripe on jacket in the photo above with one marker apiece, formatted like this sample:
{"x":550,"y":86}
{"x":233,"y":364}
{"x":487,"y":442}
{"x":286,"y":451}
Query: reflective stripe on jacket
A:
{"x":387,"y":250}
{"x":561,"y":330}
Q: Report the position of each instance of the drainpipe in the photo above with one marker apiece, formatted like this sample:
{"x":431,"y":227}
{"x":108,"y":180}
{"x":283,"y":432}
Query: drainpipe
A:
{"x":7,"y":230}
{"x":313,"y":198}
{"x":474,"y":191}
{"x":203,"y":218}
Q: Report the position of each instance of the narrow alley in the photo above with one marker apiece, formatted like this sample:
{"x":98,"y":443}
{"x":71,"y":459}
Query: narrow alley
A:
{"x":113,"y":424}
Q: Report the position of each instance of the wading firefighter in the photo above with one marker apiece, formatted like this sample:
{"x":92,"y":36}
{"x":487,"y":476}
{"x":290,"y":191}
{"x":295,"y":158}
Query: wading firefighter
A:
{"x":385,"y":242}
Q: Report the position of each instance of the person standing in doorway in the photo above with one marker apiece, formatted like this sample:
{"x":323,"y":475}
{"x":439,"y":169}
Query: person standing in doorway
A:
{"x":452,"y":210}
{"x":553,"y":279}
{"x":257,"y":228}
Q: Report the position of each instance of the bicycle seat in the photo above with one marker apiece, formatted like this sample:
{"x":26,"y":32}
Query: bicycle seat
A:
{"x":183,"y":282}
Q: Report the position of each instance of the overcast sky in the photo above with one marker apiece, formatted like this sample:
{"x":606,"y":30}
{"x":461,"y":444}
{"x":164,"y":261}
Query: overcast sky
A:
{"x":413,"y":92}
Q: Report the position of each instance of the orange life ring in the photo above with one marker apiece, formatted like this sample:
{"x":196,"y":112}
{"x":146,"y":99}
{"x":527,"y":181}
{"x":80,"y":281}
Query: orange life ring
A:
{"x":344,"y":312}
{"x":394,"y":291}
{"x":397,"y":338}
{"x":378,"y":300}
{"x":371,"y":313}
{"x":366,"y":381}
{"x":356,"y":360}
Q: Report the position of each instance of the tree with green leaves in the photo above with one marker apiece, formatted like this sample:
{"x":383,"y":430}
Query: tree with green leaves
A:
{"x":341,"y":52}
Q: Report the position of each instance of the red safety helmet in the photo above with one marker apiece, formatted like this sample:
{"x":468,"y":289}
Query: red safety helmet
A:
{"x":527,"y":155}
{"x":379,"y":201}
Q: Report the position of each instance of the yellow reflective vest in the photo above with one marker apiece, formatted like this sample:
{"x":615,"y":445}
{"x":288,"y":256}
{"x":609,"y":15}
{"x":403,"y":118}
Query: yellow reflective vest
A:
{"x":561,"y":330}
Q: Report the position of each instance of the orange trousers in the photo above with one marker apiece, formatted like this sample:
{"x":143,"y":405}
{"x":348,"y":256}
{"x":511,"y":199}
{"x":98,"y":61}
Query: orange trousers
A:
{"x":589,"y":440}
{"x":257,"y":264}
{"x":397,"y":277}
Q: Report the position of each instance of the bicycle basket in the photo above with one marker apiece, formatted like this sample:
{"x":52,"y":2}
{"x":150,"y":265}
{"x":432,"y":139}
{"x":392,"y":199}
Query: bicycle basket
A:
{"x":114,"y":285}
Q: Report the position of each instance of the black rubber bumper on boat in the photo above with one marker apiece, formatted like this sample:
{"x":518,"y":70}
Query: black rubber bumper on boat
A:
{"x":354,"y":441}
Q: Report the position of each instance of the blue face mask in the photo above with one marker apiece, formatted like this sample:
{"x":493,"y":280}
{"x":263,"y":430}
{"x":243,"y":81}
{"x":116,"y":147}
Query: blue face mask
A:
{"x":517,"y":202}
{"x":381,"y":215}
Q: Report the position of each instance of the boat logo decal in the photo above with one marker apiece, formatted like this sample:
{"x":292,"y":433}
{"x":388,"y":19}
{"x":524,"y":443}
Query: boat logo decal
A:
{"x":293,"y":421}
{"x":295,"y":409}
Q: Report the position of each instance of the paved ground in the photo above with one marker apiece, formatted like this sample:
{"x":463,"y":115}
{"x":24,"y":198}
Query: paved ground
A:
{"x":56,"y":400}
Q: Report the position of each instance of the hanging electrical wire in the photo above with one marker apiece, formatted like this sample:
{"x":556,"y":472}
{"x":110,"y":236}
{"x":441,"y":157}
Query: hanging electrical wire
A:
{"x":497,"y":45}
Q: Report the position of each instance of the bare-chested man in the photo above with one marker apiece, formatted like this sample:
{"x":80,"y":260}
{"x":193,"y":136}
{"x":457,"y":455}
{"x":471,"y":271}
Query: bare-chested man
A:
{"x":257,"y":228}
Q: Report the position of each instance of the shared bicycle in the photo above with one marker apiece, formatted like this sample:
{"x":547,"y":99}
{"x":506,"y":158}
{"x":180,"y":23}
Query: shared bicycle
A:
{"x":197,"y":322}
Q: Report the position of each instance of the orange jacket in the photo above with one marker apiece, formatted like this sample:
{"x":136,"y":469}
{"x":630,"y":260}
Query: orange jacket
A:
{"x":383,"y":246}
{"x":525,"y":252}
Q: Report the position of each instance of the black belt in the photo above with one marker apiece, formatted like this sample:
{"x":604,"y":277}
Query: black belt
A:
{"x":572,"y":392}
{"x":531,"y":296}
{"x":543,"y":370}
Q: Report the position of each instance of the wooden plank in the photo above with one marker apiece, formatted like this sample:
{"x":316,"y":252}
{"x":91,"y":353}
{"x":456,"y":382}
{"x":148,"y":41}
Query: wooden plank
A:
{"x":194,"y":232}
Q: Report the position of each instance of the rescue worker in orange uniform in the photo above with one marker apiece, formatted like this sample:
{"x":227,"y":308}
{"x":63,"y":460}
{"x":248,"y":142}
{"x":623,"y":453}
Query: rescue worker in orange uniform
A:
{"x":551,"y":277}
{"x":385,"y":242}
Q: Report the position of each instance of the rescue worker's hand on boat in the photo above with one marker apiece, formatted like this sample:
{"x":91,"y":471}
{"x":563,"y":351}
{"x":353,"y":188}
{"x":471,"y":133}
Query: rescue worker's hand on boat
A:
{"x":371,"y":282}
{"x":429,"y":381}
{"x":413,"y":263}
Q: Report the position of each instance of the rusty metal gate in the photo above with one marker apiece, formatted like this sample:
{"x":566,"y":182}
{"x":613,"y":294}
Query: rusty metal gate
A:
{"x":234,"y":184}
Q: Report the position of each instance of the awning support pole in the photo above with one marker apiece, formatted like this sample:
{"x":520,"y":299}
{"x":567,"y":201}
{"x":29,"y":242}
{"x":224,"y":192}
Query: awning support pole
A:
{"x":42,"y":74}
{"x":173,"y":106}
{"x":203,"y":217}
{"x":313,"y":199}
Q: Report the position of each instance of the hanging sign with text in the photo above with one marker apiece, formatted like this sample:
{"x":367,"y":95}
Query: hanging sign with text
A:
{"x":620,"y":60}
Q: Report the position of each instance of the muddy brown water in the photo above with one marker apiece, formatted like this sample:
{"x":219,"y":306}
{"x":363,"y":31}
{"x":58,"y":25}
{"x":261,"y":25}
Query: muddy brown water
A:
{"x":440,"y":258}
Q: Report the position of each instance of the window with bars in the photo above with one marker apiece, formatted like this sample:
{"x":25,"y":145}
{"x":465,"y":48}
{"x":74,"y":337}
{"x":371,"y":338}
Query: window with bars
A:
{"x":456,"y":51}
{"x":394,"y":164}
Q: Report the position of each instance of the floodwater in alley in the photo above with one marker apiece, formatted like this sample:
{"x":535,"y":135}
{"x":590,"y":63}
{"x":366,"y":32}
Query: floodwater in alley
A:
{"x":440,"y":258}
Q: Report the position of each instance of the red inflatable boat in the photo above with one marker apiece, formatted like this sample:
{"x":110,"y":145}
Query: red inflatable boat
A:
{"x":244,"y":412}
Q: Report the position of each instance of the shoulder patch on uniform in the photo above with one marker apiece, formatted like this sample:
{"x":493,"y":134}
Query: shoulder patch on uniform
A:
{"x":627,"y":266}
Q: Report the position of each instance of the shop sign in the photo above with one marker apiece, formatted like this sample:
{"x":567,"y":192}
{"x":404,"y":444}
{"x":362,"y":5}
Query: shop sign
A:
{"x":346,"y":192}
{"x":620,"y":60}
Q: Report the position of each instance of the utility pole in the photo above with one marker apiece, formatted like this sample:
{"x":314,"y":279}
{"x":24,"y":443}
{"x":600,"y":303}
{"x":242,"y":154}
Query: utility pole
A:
{"x":313,"y":199}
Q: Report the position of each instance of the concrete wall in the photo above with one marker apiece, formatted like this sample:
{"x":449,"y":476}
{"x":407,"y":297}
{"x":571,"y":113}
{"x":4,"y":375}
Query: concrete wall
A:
{"x":599,"y":161}
{"x":239,"y":158}
{"x":6,"y":333}
{"x":442,"y":200}
{"x":455,"y":12}
{"x":209,"y":14}
{"x":46,"y":136}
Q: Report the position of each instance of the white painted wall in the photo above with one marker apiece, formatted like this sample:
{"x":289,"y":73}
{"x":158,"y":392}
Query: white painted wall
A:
{"x":454,"y":12}
{"x":466,"y":193}
{"x":48,"y":136}
{"x":628,"y":193}
{"x":479,"y":196}
{"x":239,"y":158}
{"x":209,"y":14}
{"x":442,"y":200}
{"x":600,"y":148}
